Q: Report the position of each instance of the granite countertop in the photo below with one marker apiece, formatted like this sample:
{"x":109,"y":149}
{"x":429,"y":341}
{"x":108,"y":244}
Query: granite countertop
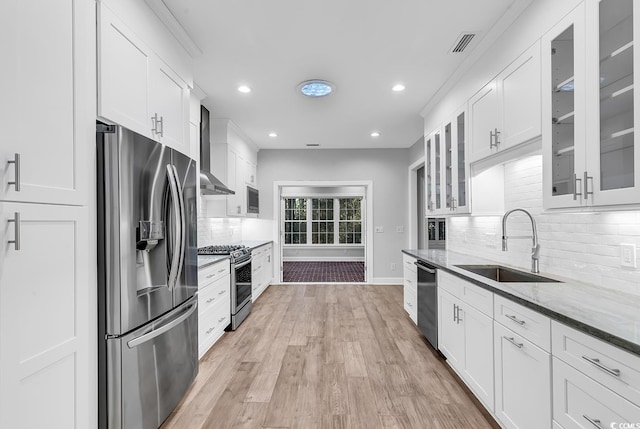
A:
{"x":607,"y":314}
{"x":254,"y":244}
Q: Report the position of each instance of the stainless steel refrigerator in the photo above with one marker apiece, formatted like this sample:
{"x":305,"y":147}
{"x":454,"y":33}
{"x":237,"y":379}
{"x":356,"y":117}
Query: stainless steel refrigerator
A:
{"x":147,"y":278}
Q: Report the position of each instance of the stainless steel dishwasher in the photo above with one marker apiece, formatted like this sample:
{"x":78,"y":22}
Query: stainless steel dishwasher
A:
{"x":428,"y":302}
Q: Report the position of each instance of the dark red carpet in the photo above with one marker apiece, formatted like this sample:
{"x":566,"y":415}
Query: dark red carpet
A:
{"x":323,"y":272}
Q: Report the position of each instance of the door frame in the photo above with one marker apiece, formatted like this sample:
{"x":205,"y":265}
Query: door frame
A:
{"x":413,"y":203}
{"x":278,"y":232}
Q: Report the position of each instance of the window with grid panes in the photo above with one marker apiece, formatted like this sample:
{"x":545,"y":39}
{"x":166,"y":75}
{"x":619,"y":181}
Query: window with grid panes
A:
{"x":295,"y":221}
{"x":350,"y":223}
{"x":322,"y":220}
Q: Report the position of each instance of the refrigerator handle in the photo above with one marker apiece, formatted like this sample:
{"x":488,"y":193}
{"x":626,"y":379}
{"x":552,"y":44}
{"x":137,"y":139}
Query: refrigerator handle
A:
{"x":164,"y":328}
{"x":174,"y":271}
{"x":182,"y":223}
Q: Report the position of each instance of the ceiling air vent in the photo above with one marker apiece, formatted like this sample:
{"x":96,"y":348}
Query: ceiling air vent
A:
{"x":462,"y":42}
{"x":312,"y":145}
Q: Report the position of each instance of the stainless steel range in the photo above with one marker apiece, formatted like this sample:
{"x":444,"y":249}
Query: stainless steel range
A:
{"x":240,"y":279}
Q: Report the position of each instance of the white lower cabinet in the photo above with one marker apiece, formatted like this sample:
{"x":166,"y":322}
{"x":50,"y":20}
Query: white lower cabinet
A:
{"x":47,"y":338}
{"x":595,"y":384}
{"x":522,"y":381}
{"x":410,"y":290}
{"x":261,"y":270}
{"x":582,"y":403}
{"x":465,"y":334}
{"x":214,"y":304}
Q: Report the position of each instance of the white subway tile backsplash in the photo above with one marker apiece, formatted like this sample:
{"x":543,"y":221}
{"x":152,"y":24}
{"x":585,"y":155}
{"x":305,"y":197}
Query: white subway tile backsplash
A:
{"x":581,"y":246}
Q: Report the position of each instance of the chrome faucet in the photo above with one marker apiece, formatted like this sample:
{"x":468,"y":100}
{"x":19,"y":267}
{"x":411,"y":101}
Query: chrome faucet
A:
{"x":535,"y":251}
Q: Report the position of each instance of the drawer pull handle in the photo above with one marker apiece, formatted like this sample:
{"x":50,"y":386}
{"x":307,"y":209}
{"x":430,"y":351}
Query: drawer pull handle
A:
{"x":221,"y":319}
{"x":222,"y":292}
{"x":408,"y":281}
{"x":409,"y":304}
{"x":210,"y":275}
{"x":16,"y":228}
{"x":513,"y":341}
{"x":221,"y":270}
{"x":210,"y":300}
{"x":515,"y":319}
{"x":596,"y":362}
{"x":16,"y":180}
{"x":210,"y":330}
{"x":595,"y":422}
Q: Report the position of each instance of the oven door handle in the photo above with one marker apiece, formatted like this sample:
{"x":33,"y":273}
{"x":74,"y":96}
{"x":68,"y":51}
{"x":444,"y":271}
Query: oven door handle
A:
{"x":243,"y":264}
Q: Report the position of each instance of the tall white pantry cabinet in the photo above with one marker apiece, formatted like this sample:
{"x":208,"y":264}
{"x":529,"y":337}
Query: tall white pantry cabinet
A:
{"x":47,"y":212}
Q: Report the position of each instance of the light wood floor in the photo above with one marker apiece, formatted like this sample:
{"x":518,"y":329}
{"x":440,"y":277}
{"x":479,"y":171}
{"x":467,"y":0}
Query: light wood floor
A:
{"x":326,"y":356}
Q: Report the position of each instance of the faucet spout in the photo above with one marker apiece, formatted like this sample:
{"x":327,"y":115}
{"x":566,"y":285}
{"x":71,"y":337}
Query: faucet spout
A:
{"x":535,"y":251}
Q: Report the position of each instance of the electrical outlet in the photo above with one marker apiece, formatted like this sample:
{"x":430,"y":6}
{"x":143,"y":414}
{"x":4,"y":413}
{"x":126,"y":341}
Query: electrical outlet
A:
{"x":393,"y":266}
{"x":379,"y":229}
{"x":400,"y":229}
{"x":628,"y":255}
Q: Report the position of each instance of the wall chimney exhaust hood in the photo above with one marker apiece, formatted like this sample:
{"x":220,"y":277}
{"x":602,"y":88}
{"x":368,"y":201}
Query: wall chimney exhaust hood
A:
{"x":209,"y":184}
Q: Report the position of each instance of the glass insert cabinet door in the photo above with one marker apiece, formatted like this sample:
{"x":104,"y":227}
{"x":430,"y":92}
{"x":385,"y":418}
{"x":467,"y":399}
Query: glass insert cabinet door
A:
{"x":611,"y":176}
{"x":429,"y":174}
{"x":563,"y":111}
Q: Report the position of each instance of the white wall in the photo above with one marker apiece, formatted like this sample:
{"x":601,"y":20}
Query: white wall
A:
{"x":386,"y":168}
{"x":581,"y":246}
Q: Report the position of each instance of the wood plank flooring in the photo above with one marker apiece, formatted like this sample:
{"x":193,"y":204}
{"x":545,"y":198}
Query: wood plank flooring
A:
{"x":326,"y":356}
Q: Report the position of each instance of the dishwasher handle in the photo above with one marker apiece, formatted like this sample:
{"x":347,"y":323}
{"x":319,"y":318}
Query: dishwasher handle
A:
{"x":425,"y":268}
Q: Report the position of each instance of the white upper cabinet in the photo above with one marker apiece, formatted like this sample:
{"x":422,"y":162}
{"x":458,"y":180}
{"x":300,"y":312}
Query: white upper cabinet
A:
{"x":136,"y":88}
{"x":506,"y":111}
{"x":169,"y":107}
{"x":589,"y":117}
{"x":447,"y":169}
{"x":45,"y":114}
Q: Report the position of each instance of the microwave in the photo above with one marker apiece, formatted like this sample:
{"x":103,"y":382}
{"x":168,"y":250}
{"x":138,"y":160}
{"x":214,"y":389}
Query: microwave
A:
{"x":253,"y":200}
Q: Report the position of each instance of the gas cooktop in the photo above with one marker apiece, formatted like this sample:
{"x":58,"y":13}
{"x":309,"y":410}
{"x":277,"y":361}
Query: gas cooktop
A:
{"x":222,"y":249}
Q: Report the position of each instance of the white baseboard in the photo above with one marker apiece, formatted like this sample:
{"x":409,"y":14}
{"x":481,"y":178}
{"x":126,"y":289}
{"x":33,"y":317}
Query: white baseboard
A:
{"x":387,"y":281}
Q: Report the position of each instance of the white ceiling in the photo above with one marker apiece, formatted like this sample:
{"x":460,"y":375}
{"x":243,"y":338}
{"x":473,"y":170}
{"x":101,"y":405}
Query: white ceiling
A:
{"x":364,"y":47}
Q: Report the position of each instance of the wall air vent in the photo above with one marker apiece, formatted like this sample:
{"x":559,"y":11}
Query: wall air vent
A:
{"x":462,"y":42}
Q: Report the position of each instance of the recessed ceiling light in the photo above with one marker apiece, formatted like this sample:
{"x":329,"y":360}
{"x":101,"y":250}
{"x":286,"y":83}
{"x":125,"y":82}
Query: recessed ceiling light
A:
{"x":273,"y":135}
{"x":316,"y":88}
{"x":244,"y":89}
{"x":398,"y":87}
{"x":375,"y":134}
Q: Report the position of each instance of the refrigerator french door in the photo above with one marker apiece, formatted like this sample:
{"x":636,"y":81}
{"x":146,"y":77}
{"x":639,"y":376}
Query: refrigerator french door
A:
{"x":147,"y":278}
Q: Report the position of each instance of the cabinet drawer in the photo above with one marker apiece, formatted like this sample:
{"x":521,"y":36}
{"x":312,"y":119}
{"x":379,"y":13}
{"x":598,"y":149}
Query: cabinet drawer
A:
{"x":615,"y":368}
{"x":408,"y":263}
{"x":213,"y":293}
{"x":211,"y":273}
{"x":581,"y":403}
{"x":532,"y":325}
{"x":474,"y":295}
{"x":212,"y":322}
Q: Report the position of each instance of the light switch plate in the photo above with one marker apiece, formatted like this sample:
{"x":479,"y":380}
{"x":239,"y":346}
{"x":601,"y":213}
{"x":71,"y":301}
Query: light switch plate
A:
{"x":628,"y":255}
{"x":379,"y":229}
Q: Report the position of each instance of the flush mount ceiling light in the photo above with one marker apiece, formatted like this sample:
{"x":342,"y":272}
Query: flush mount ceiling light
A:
{"x":244,"y":89}
{"x":273,"y":135}
{"x":375,"y":134}
{"x":398,"y":87}
{"x":316,"y":88}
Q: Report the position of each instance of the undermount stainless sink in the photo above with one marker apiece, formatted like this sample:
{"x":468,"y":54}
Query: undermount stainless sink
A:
{"x":502,"y":274}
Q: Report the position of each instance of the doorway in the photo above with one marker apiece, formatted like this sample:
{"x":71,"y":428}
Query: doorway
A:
{"x":324,"y":233}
